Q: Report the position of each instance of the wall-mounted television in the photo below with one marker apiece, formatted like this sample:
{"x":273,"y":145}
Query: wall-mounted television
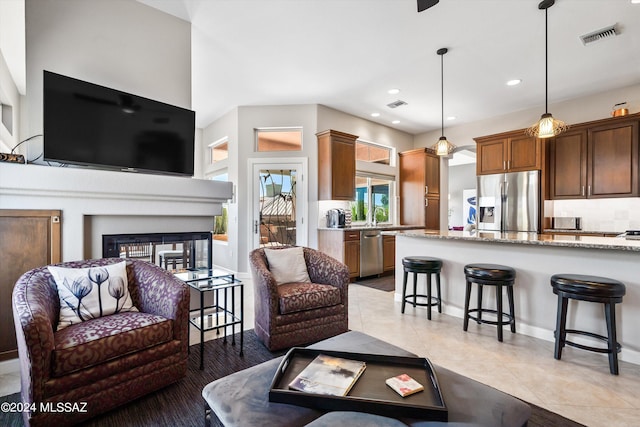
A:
{"x":88,"y":124}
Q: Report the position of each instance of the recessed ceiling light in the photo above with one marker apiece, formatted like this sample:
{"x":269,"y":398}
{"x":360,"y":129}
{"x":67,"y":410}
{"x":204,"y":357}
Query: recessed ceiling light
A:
{"x":514,"y":82}
{"x":635,"y":1}
{"x":395,"y":122}
{"x":393,"y":91}
{"x":375,"y":114}
{"x":451,"y":118}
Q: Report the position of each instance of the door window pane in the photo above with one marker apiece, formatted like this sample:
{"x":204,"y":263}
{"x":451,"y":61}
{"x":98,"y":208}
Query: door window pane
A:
{"x":277,"y":207}
{"x":279,"y":139}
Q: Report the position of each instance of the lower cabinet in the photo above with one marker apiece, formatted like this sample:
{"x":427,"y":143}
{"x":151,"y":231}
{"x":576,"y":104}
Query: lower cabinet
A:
{"x":343,"y":245}
{"x":389,"y":253}
{"x":28,"y":239}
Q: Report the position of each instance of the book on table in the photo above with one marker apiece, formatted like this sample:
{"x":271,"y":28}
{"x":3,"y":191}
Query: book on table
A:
{"x":404,"y":385}
{"x":329,"y":375}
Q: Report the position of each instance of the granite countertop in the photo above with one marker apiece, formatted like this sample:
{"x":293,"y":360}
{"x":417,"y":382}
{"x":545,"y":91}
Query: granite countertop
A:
{"x":562,"y":240}
{"x":558,"y":231}
{"x":383,"y":227}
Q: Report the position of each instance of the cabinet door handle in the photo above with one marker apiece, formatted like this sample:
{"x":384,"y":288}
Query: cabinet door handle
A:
{"x":426,"y":189}
{"x":588,"y":190}
{"x":426,"y":202}
{"x":504,"y":165}
{"x":255,"y":226}
{"x":582,"y":191}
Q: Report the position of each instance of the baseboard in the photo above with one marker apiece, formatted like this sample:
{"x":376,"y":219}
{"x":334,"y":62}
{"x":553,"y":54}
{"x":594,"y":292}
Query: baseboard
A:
{"x":627,"y":354}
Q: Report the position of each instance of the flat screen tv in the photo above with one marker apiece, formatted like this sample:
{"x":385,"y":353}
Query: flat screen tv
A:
{"x":88,"y":124}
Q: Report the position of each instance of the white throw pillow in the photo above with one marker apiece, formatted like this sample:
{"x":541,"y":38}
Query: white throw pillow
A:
{"x":287,"y":265}
{"x":89,"y":293}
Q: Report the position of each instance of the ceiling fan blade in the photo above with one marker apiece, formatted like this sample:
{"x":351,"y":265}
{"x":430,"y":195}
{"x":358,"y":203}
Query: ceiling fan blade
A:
{"x":426,"y":4}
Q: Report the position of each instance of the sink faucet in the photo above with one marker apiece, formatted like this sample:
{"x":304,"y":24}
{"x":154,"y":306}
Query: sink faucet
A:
{"x":375,"y":211}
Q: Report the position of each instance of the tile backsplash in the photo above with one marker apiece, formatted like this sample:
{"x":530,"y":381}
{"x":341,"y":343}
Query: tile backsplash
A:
{"x":611,"y":215}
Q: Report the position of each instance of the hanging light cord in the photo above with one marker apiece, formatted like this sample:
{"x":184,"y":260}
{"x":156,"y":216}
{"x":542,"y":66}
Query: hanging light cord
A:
{"x":442,"y":95}
{"x":546,"y":62}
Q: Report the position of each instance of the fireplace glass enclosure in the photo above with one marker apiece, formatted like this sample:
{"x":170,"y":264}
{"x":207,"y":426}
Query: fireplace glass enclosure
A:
{"x":171,"y":251}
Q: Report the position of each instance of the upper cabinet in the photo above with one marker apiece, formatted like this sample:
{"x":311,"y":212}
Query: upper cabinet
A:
{"x":420,"y":188}
{"x":595,"y":160}
{"x":336,"y":165}
{"x":507,"y":152}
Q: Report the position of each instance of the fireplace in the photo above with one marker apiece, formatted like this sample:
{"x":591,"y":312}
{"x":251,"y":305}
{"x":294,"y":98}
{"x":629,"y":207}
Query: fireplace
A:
{"x":172,"y":251}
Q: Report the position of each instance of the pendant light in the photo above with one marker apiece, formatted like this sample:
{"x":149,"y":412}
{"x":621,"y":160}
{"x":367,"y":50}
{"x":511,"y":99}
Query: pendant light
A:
{"x":442,"y":147}
{"x":547,"y":126}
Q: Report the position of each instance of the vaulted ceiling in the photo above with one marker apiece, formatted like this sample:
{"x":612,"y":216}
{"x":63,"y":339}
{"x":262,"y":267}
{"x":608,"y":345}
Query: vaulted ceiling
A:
{"x":347,"y":54}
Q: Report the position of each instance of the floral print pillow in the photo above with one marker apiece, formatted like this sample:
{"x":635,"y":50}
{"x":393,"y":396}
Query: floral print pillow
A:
{"x":89,"y":293}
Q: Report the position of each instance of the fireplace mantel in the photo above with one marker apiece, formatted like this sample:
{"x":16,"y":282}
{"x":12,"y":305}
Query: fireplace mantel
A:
{"x":112,"y":201}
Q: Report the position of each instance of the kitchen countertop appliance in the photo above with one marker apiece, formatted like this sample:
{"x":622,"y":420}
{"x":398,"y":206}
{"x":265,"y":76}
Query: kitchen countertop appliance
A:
{"x":566,"y":223}
{"x":336,"y":218}
{"x":509,"y":202}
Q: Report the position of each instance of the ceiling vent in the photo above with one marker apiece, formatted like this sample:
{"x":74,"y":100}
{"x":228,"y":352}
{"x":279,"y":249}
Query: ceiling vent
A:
{"x":599,"y":34}
{"x":396,"y":104}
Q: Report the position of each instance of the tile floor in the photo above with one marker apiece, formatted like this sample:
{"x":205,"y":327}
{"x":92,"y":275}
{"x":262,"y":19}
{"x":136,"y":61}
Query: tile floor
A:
{"x":578,"y":387}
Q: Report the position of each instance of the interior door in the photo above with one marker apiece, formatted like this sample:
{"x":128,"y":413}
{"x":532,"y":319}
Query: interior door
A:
{"x":279,"y":205}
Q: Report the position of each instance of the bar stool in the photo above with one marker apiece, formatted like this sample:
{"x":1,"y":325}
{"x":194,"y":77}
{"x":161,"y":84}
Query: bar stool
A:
{"x":492,"y":275}
{"x":421,"y":265}
{"x":593,"y":289}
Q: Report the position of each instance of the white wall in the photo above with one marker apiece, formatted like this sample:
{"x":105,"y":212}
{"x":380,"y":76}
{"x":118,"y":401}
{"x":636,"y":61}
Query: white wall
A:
{"x":239,"y":126}
{"x":225,"y":254}
{"x":9,"y":96}
{"x":121,"y":44}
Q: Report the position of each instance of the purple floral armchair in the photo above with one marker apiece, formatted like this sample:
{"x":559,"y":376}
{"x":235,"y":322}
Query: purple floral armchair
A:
{"x":104,"y":362}
{"x":293,"y":314}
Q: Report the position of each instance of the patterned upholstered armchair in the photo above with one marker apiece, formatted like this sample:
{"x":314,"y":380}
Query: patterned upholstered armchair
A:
{"x":106,"y":361}
{"x":293,"y":314}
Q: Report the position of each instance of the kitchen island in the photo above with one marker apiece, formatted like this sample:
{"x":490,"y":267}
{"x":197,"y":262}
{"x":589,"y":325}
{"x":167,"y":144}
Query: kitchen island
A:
{"x":535,"y":258}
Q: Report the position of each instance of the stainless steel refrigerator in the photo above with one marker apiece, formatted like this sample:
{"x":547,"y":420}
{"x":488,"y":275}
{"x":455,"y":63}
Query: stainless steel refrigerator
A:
{"x":509,"y":201}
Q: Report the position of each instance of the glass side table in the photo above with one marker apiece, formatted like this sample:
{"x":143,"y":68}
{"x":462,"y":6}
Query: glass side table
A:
{"x":222,"y":312}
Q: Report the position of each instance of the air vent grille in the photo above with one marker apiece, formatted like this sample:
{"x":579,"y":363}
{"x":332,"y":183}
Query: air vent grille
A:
{"x":599,"y":35}
{"x":396,"y":104}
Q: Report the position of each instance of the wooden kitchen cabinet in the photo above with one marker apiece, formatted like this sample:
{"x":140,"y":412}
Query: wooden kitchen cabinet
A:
{"x":28,"y":239}
{"x":388,"y":253}
{"x":595,"y":160}
{"x":336,"y":165}
{"x":507,"y":152}
{"x":420,"y":188}
{"x":568,"y":165}
{"x":343,"y":245}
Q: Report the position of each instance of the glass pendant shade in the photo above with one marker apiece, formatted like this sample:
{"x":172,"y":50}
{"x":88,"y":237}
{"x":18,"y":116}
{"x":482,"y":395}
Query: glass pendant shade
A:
{"x":443,"y":147}
{"x":547,"y":127}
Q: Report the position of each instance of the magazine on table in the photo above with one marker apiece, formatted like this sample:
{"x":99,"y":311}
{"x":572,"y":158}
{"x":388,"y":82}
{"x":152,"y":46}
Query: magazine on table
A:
{"x":329,"y":375}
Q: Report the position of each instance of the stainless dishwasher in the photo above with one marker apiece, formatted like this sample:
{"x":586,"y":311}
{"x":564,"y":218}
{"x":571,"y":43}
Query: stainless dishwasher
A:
{"x":370,"y":252}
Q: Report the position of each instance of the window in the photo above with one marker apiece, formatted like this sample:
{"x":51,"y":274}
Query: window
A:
{"x":219,"y":150}
{"x":373,"y":153}
{"x":221,"y":222}
{"x":279,"y":139}
{"x":372,"y":202}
